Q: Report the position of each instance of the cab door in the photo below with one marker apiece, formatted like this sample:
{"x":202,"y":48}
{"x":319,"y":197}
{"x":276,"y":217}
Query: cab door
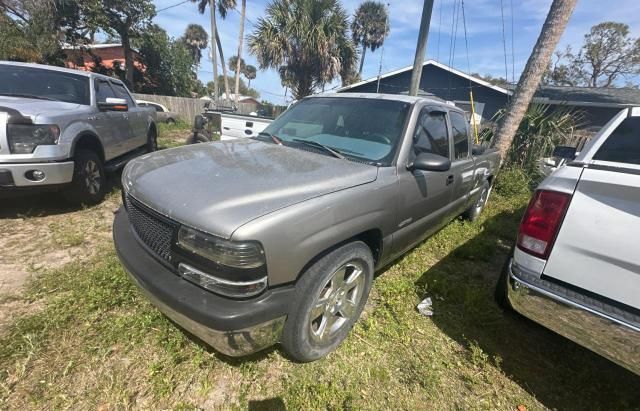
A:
{"x":107,"y":122}
{"x":424,"y":201}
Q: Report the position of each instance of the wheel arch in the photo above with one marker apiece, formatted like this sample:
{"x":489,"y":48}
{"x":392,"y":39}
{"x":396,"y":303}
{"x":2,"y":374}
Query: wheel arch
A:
{"x":89,"y":141}
{"x":372,"y":238}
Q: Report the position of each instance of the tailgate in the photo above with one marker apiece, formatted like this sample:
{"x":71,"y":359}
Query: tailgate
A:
{"x":596,"y":248}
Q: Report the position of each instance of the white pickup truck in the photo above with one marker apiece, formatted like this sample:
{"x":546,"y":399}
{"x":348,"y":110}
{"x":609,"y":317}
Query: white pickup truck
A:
{"x":576,"y":266}
{"x":230,"y":124}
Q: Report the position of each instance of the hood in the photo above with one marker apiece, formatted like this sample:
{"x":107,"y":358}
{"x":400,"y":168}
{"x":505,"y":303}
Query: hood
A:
{"x":29,"y":107}
{"x":218,"y":187}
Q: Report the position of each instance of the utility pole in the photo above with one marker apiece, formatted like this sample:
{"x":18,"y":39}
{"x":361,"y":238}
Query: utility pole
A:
{"x":427,"y":8}
{"x":214,"y":50}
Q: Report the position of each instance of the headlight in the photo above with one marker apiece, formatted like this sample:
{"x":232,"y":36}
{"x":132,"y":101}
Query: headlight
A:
{"x":239,"y":254}
{"x":24,"y":138}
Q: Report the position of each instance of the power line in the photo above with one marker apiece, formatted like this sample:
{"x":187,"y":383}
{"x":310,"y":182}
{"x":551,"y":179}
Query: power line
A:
{"x":513,"y":58}
{"x":504,"y":42}
{"x":172,"y":6}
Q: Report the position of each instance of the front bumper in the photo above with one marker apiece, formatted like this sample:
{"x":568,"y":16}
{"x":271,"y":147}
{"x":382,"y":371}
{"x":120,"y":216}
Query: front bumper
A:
{"x":232,"y":327}
{"x":590,"y":323}
{"x":14,"y":174}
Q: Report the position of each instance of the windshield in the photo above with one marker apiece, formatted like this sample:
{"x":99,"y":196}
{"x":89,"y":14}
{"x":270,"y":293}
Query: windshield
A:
{"x":360,"y":128}
{"x":45,"y":84}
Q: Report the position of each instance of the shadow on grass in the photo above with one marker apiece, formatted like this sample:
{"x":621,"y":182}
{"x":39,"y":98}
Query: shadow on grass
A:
{"x":51,"y":201}
{"x":558,"y":372}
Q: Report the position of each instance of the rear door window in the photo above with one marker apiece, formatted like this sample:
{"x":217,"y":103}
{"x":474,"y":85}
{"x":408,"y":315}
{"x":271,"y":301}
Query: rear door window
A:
{"x":460,"y":135}
{"x":623,"y":145}
{"x":431,"y":134}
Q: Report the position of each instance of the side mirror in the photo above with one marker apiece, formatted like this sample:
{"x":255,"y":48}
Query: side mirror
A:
{"x":113,"y":104}
{"x":430,"y":162}
{"x":565,"y":152}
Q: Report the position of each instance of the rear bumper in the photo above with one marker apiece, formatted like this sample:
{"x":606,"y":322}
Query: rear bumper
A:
{"x":594,"y":329}
{"x":232,"y":327}
{"x":14,"y":175}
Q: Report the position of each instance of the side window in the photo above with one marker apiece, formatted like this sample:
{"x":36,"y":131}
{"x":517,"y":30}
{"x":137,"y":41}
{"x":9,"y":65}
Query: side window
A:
{"x":460,"y":135}
{"x":104,"y":91}
{"x":121,"y":92}
{"x":431,"y":134}
{"x":141,"y":104}
{"x":157,"y":107}
{"x":623,"y":145}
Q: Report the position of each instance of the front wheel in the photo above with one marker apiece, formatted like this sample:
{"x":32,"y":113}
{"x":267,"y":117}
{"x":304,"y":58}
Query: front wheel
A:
{"x":89,"y":184}
{"x":329,"y":299}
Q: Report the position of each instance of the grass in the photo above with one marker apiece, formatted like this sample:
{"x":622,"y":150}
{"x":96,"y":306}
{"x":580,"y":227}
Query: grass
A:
{"x":97,"y":343}
{"x":173,"y":135}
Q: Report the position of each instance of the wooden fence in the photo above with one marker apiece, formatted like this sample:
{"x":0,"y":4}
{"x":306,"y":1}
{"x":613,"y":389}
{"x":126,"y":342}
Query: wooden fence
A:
{"x":187,"y":108}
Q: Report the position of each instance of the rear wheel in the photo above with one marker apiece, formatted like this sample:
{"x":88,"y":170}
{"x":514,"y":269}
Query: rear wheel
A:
{"x":473,"y":212}
{"x":500,"y":293}
{"x":152,"y":141}
{"x":89,"y":180}
{"x":329,"y":299}
{"x":171,"y":121}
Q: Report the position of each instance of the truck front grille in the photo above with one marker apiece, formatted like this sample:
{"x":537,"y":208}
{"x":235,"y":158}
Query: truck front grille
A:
{"x":155,"y":231}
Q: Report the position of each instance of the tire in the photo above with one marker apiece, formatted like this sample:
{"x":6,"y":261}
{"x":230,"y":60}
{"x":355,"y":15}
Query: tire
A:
{"x":89,"y":184}
{"x":500,"y":293}
{"x":473,"y":212}
{"x":170,"y":121}
{"x":198,"y":138}
{"x":152,"y":141}
{"x":336,"y":304}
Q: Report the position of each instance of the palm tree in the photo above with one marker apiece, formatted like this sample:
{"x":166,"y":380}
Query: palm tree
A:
{"x":537,"y":64}
{"x":196,"y":39}
{"x":250,"y":73}
{"x":306,"y":41}
{"x":223,"y":7}
{"x":370,"y":27}
{"x":238,"y":67}
{"x":235,"y":62}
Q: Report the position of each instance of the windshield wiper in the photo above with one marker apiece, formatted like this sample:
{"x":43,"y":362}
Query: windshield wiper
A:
{"x":272,"y":137}
{"x":26,"y":96}
{"x":315,"y":144}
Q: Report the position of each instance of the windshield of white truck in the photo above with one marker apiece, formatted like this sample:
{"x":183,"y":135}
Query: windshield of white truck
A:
{"x":357,"y":128}
{"x":36,"y":83}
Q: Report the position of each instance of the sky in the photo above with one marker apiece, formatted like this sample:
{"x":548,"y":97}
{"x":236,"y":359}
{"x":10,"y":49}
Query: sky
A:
{"x":484,"y":34}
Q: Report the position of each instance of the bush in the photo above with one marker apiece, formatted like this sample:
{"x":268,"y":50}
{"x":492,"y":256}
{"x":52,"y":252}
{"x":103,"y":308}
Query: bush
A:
{"x":513,"y":182}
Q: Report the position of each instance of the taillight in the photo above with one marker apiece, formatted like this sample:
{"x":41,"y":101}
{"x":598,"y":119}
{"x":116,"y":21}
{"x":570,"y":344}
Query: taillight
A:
{"x":541,"y":222}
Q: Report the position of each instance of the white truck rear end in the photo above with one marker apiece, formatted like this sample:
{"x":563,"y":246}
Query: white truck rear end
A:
{"x":576,"y":266}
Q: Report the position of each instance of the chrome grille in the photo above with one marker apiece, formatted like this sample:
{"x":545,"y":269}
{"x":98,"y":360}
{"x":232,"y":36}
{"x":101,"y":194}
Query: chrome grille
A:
{"x":153,"y":231}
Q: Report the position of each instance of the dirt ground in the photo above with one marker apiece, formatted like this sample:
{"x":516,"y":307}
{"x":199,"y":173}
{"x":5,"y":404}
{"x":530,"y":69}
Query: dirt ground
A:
{"x":43,"y":232}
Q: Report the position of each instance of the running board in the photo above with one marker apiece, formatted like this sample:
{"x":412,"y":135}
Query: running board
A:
{"x":119,"y":162}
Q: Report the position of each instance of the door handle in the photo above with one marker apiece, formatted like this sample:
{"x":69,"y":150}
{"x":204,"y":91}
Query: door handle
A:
{"x":450,"y":179}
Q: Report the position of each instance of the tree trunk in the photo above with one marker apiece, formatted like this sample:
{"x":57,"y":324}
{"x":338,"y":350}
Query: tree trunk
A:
{"x":537,"y":64}
{"x":240,"y":37}
{"x":214,"y":54}
{"x":364,"y":51}
{"x":128,"y":61}
{"x":224,"y":67}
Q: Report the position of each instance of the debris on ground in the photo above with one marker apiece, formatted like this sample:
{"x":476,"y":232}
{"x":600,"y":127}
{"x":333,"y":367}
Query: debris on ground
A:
{"x":425,"y":307}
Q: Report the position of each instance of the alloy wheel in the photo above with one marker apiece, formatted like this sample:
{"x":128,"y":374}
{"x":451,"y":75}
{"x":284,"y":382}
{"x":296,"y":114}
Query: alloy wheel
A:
{"x":337,"y":302}
{"x":92,"y":178}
